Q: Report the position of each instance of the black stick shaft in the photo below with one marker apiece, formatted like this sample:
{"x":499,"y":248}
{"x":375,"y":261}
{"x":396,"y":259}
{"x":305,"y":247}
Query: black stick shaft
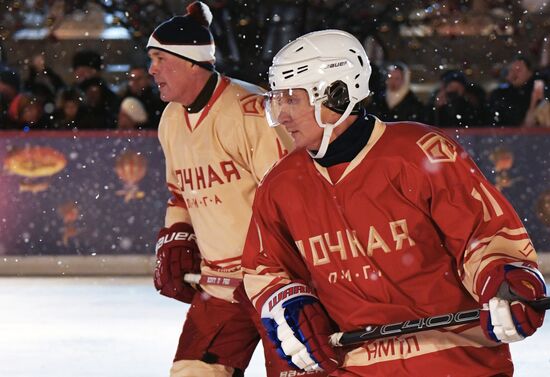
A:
{"x":417,"y":325}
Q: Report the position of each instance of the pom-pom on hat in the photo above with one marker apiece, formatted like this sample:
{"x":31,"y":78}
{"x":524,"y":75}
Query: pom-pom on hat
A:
{"x":187,"y":36}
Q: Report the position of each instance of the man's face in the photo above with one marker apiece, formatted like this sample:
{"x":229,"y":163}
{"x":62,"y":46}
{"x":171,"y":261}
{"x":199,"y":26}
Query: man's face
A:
{"x":456,"y":88}
{"x":174,"y":77}
{"x":291,"y":108}
{"x":32,"y":113}
{"x":518,"y":73}
{"x":70,"y":109}
{"x":138,"y":81}
{"x":394,"y":80}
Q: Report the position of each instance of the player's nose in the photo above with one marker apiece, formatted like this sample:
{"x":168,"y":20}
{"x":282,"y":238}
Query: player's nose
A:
{"x":152,"y":69}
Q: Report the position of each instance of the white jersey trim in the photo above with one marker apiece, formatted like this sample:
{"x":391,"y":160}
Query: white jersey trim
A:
{"x":199,"y":53}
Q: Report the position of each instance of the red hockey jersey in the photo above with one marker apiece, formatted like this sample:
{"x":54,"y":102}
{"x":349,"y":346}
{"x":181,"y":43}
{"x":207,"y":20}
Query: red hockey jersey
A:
{"x":409,"y":230}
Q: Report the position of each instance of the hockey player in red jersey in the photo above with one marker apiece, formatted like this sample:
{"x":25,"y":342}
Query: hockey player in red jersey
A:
{"x":217,"y":148}
{"x":368,"y":223}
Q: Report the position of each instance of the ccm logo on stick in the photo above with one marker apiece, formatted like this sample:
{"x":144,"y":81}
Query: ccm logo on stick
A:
{"x":424,"y":323}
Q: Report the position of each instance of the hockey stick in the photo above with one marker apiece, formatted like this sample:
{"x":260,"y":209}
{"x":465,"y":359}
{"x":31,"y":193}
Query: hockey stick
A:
{"x":340,"y":339}
{"x":211,"y":280}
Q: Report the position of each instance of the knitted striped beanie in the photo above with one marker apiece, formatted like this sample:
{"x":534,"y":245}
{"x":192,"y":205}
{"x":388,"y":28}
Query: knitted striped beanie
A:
{"x":187,"y":36}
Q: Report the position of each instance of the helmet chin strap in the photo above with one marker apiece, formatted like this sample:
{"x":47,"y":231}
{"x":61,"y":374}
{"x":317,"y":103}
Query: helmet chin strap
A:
{"x":327,"y":133}
{"x":327,"y":127}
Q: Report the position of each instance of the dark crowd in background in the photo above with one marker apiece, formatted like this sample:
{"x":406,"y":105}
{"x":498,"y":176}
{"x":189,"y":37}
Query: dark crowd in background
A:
{"x":44,"y":101}
{"x":39,"y":96}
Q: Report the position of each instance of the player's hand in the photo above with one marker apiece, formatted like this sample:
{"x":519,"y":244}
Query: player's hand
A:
{"x":177,"y":254}
{"x":505,"y":317}
{"x":299,"y":328}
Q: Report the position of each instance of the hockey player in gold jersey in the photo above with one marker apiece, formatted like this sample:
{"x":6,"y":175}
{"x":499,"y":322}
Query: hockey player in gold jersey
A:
{"x":217,"y":148}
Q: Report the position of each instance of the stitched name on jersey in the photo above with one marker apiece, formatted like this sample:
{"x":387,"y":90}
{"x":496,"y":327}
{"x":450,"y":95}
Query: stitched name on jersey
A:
{"x":319,"y":249}
{"x":392,"y":348}
{"x":202,"y":177}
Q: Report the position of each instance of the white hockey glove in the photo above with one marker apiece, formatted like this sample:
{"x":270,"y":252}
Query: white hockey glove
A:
{"x":504,"y":316}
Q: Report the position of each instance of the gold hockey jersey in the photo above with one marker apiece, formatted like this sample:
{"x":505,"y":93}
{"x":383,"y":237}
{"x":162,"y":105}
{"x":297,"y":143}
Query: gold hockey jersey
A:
{"x":213,"y":167}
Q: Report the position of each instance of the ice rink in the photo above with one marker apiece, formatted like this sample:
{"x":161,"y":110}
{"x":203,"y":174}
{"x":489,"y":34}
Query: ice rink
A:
{"x":112,"y":327}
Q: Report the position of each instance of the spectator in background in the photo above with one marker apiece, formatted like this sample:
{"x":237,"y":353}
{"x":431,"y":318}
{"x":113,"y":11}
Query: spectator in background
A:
{"x":398,"y":102}
{"x":71,"y":112}
{"x":509,"y":102}
{"x":27,"y":110}
{"x":538,"y":114}
{"x":377,"y":83}
{"x":86,"y":65}
{"x":102,"y":103}
{"x":43,"y":83}
{"x":101,"y":108}
{"x":477,"y":97}
{"x":452,"y":105}
{"x":43,"y":77}
{"x":42,"y":94}
{"x":132,"y":114}
{"x":141,"y":86}
{"x":10,"y":83}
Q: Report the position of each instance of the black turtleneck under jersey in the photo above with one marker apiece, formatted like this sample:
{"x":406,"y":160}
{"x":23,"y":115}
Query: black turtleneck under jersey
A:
{"x":348,"y":145}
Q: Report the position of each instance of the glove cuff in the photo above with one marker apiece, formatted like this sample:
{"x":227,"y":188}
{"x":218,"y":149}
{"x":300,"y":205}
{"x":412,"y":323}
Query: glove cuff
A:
{"x":179,"y":234}
{"x":500,"y":281}
{"x":276,"y":301}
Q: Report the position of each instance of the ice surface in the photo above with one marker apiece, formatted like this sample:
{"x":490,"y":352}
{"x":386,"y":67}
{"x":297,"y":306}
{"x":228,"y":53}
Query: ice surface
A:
{"x":111,"y":327}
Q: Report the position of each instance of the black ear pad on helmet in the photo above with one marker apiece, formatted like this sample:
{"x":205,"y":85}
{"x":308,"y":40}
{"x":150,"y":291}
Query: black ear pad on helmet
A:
{"x":338,"y":98}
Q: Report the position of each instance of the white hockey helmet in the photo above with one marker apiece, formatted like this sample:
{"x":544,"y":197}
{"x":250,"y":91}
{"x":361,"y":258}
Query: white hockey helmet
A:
{"x":332,"y":66}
